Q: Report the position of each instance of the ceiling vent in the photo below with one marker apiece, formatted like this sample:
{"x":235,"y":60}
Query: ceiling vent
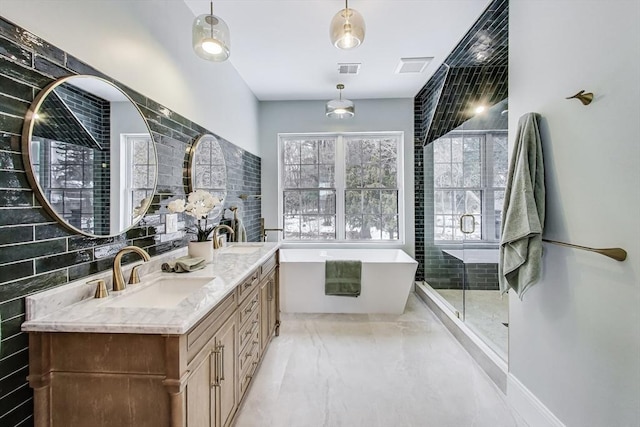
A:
{"x":349,"y":68}
{"x":413,"y":65}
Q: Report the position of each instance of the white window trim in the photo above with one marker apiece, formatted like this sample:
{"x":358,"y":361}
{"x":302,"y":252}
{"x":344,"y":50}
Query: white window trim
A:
{"x":487,"y":164}
{"x":340,"y":187}
{"x":124,"y":177}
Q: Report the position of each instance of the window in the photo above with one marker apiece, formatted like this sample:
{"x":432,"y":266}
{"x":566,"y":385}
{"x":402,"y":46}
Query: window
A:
{"x":141,"y":172}
{"x":66,"y":174}
{"x":341,"y":187}
{"x":470,"y":174}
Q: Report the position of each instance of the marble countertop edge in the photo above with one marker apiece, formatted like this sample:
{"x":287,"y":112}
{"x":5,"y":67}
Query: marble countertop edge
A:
{"x":80,"y":312}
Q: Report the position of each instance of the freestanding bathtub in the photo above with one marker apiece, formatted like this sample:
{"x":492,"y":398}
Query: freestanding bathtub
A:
{"x":387,"y":277}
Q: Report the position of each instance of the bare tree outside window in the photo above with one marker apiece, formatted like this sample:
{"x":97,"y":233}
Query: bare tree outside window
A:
{"x":360,"y":169}
{"x":309,"y":189}
{"x":469,"y":175}
{"x":143,"y":168}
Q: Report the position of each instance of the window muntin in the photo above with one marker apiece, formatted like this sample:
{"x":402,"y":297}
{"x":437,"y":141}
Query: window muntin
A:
{"x":371,"y":188}
{"x":309,"y":196}
{"x":341,"y":187}
{"x":470,"y":173}
{"x":140,"y":173}
{"x":66,"y":174}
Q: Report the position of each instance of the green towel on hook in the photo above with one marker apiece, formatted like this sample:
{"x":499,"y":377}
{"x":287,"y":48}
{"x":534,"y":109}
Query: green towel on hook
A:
{"x":342,"y":278}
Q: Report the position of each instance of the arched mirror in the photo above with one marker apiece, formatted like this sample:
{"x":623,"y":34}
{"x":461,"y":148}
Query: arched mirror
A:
{"x":207,"y":169}
{"x":89,"y":156}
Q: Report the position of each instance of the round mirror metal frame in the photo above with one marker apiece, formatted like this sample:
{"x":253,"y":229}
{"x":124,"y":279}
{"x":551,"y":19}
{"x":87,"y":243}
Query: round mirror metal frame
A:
{"x":32,"y":168}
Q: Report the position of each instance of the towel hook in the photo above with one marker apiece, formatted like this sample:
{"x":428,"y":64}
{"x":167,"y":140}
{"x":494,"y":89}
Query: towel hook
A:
{"x":585,"y":98}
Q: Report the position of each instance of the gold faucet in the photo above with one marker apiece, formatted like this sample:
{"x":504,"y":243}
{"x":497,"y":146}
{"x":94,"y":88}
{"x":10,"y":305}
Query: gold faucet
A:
{"x":118,"y":276}
{"x":263,"y":231}
{"x":216,"y":238}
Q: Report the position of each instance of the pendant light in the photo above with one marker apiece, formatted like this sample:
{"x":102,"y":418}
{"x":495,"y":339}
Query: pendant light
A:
{"x":347,"y":28}
{"x":340,"y":108}
{"x":211,"y":39}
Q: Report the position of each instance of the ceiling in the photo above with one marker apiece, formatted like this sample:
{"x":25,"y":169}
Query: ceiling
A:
{"x":281,"y":48}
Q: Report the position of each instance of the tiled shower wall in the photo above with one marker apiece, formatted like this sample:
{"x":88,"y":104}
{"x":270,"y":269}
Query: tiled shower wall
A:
{"x":35,"y":252}
{"x":475,"y":70}
{"x":95,"y":115}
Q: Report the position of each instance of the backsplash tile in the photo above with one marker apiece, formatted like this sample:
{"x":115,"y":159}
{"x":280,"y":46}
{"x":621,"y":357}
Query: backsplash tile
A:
{"x":32,"y":250}
{"x":36,"y":253}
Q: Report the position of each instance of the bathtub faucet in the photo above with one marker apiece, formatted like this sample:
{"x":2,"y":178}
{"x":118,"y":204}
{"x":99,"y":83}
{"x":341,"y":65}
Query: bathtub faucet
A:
{"x":263,"y":231}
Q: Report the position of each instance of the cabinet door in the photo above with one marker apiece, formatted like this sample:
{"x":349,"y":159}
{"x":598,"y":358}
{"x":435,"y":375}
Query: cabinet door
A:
{"x":226,"y":345}
{"x":274,"y":304}
{"x":200,"y":395}
{"x":264,"y":313}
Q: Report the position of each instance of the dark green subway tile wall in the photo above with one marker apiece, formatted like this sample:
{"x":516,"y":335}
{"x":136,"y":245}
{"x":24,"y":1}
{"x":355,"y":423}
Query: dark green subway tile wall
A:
{"x":36,"y":253}
{"x":476,"y":69}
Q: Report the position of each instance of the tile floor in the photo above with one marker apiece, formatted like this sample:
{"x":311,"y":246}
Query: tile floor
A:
{"x":485,"y":313}
{"x":328,"y":370}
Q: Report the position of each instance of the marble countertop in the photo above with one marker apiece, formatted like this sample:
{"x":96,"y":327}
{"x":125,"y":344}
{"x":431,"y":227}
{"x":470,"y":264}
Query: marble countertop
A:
{"x":55,"y":311}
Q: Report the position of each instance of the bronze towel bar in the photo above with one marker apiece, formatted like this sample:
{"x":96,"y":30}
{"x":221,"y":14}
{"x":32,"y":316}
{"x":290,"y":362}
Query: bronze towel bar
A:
{"x":618,"y":254}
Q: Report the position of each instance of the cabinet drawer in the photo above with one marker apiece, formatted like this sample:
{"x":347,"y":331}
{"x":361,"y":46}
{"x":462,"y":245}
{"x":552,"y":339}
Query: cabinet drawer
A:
{"x":268,"y":265}
{"x":245,"y":377}
{"x":249,"y":284}
{"x":249,"y":328}
{"x":247,"y":356}
{"x":203,"y":332}
{"x":249,"y":306}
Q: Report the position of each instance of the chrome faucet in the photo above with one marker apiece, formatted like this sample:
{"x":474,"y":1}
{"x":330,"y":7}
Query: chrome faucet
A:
{"x":118,"y":276}
{"x":216,"y":238}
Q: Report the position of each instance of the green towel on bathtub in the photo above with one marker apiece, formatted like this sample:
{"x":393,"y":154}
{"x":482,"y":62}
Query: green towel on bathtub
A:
{"x":342,"y":278}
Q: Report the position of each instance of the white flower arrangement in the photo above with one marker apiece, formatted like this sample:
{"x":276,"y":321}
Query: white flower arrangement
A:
{"x":198,"y":205}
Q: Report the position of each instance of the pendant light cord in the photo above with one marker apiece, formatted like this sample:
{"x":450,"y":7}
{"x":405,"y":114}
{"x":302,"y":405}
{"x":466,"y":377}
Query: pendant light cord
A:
{"x":211,"y":23}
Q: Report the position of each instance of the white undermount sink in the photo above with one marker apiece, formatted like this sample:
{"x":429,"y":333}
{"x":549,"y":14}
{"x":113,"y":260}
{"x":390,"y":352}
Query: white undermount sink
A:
{"x":163,"y":292}
{"x":243,"y":249}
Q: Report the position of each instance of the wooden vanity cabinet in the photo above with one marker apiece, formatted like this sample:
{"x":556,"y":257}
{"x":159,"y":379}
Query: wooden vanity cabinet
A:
{"x":210,"y":389}
{"x":269,"y":302}
{"x":197,"y":379}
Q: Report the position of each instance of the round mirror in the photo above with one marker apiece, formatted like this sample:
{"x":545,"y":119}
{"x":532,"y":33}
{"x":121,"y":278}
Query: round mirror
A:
{"x":207,"y":169}
{"x":89,"y":156}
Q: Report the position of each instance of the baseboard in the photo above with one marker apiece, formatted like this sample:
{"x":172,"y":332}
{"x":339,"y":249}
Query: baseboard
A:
{"x":534,"y":412}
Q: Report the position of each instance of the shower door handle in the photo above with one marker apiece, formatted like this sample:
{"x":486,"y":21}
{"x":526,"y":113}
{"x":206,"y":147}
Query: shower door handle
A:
{"x":463,"y":222}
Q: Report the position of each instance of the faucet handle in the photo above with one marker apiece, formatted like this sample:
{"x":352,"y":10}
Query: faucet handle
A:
{"x":135,"y":277}
{"x":101,"y":288}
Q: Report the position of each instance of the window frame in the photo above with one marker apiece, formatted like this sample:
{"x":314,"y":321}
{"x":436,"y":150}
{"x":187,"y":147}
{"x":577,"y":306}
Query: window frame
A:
{"x":340,"y":187}
{"x":126,"y":183}
{"x":486,"y":188}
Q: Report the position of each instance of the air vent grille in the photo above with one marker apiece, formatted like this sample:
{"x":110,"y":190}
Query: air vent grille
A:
{"x":413,"y":65}
{"x":349,"y":68}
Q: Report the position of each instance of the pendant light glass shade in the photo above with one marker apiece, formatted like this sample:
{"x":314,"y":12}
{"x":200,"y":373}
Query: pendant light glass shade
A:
{"x":211,"y":38}
{"x":340,"y":108}
{"x":347,"y":28}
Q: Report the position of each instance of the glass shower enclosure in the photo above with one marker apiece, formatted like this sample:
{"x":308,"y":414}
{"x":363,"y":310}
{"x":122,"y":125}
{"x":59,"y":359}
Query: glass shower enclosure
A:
{"x":466,"y":173}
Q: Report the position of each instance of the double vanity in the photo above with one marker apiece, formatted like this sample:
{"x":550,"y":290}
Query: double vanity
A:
{"x":176,"y":349}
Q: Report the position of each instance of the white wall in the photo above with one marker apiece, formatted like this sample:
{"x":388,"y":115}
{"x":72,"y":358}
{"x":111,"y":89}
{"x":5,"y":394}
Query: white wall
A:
{"x":146,"y":45}
{"x":309,"y":116}
{"x":574,"y":342}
